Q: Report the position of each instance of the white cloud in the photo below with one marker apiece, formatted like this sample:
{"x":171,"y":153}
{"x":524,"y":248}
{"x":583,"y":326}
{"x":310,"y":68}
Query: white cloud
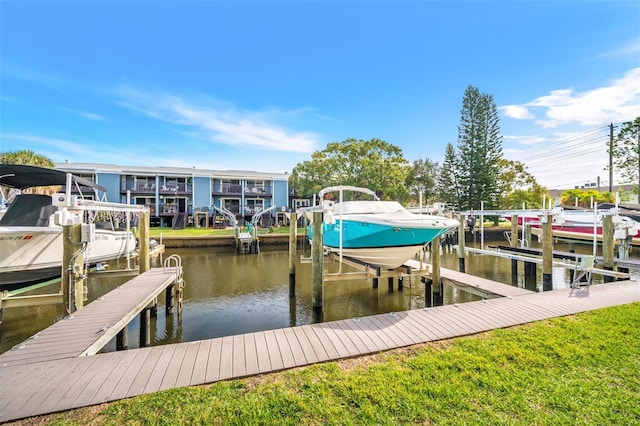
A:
{"x":219,"y":122}
{"x":616,"y":102}
{"x":85,"y":114}
{"x":518,"y":112}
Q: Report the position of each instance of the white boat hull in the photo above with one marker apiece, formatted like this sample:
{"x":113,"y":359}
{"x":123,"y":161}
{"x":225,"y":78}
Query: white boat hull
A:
{"x":385,"y":257}
{"x":33,"y":253}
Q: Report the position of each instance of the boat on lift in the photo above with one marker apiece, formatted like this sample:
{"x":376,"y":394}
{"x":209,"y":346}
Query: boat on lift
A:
{"x":375,"y":232}
{"x":30,"y":240}
{"x":582,"y":223}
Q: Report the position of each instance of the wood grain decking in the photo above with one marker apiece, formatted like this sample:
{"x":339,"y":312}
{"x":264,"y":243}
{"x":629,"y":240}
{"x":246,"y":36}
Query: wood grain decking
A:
{"x":61,"y":384}
{"x":88,"y":330}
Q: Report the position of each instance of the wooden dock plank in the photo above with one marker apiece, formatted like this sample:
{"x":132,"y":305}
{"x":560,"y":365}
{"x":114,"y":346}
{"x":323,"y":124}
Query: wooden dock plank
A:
{"x":172,"y":369}
{"x":110,"y":384}
{"x":273,"y":349}
{"x":239,"y":367}
{"x":94,"y":381}
{"x":328,"y":346}
{"x":294,"y":345}
{"x":251,"y":354}
{"x":226,"y":358}
{"x":288,"y":360}
{"x":199,"y":372}
{"x":159,"y":371}
{"x":315,"y":343}
{"x":185,"y":373}
{"x":144,"y":373}
{"x":310,"y":352}
{"x":213,"y":362}
{"x":262,"y":352}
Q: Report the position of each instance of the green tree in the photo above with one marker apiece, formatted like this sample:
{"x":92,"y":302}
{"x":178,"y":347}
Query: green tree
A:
{"x":29,"y":158}
{"x":517,"y":186}
{"x":422,"y":179}
{"x":373,"y":164}
{"x":586,"y":197}
{"x":479,"y":150}
{"x":626,"y":151}
{"x":448,"y":180}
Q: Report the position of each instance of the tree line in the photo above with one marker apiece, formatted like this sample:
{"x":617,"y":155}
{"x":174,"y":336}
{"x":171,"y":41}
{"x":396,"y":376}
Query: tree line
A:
{"x":474,"y":173}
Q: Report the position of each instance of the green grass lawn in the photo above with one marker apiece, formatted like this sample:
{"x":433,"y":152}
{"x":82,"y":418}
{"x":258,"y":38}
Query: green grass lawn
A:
{"x":582,"y":369}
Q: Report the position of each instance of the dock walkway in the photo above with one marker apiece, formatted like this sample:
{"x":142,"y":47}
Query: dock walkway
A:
{"x":48,"y":386}
{"x":88,"y":330}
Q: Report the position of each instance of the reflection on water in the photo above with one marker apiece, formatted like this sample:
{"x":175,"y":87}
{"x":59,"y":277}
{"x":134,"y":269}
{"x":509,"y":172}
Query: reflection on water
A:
{"x":227,"y":294}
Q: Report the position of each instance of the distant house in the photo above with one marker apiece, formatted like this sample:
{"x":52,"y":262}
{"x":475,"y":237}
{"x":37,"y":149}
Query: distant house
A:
{"x":169,"y":191}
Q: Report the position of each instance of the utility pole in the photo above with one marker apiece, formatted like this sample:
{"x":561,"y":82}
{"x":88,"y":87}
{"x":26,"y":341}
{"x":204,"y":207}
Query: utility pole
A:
{"x":611,"y":157}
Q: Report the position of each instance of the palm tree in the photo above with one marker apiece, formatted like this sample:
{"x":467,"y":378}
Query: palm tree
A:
{"x":28,"y":157}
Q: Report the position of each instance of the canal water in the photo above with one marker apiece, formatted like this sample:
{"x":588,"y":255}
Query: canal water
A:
{"x":227,"y":294}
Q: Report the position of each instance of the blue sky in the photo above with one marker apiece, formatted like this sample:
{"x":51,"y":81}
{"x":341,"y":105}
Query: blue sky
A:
{"x":260,"y":85}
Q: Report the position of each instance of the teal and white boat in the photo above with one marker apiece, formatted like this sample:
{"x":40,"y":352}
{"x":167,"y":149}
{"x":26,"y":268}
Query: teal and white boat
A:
{"x":381,"y":233}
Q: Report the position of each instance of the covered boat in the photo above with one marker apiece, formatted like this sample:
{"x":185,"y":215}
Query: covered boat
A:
{"x":31,"y":242}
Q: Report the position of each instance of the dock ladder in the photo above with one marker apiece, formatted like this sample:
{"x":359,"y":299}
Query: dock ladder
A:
{"x":582,"y":272}
{"x":175,"y":262}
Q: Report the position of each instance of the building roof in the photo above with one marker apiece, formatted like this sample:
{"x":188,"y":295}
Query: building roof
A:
{"x":169,"y":171}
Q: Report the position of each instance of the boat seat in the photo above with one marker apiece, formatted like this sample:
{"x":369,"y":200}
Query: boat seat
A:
{"x":29,"y":210}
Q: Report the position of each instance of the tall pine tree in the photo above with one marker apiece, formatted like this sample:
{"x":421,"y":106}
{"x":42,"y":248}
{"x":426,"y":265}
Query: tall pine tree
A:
{"x":447,"y":184}
{"x":479,"y":151}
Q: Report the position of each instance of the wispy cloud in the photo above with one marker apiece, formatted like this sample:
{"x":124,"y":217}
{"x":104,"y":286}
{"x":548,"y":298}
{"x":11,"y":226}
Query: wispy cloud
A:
{"x":218,"y":122}
{"x":618,"y":101}
{"x":59,"y":149}
{"x":631,"y":49}
{"x":85,"y":114}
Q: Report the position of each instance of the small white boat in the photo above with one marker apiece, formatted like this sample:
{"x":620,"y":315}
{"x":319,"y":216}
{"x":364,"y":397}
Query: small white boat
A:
{"x":31,"y":243}
{"x":376,"y":232}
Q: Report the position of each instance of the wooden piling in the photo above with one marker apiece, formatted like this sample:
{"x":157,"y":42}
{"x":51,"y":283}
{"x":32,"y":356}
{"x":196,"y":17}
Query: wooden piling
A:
{"x":317,"y":265}
{"x":547,"y":252}
{"x":169,"y":299}
{"x":143,"y":243}
{"x":514,"y":243}
{"x":122,"y":339}
{"x":293,"y":224}
{"x":607,"y":246}
{"x":400,"y":283}
{"x":145,"y":328}
{"x":390,"y":284}
{"x":72,"y":267}
{"x":435,"y":261}
{"x":427,"y":292}
{"x":461,"y":240}
{"x":374,"y":283}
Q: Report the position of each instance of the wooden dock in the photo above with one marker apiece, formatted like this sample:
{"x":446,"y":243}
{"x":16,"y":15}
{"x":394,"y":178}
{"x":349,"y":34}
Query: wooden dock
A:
{"x":87,"y":331}
{"x":41,"y":387}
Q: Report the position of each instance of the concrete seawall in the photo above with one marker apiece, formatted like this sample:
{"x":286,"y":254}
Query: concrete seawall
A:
{"x":490,"y":234}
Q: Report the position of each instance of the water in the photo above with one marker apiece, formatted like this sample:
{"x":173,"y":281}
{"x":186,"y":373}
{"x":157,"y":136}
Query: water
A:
{"x":228,"y":294}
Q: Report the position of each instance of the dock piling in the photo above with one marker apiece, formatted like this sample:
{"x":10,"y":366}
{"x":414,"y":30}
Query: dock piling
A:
{"x":293,"y":224}
{"x":317,"y":259}
{"x":461,"y":240}
{"x":547,"y":252}
{"x":607,"y":245}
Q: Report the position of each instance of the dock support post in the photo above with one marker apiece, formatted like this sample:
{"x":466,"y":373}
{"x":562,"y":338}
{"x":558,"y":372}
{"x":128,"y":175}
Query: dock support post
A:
{"x":435,"y":262}
{"x":461,"y":240}
{"x":547,"y":252}
{"x":527,"y":235}
{"x":317,"y":266}
{"x":143,"y":243}
{"x":122,"y":339}
{"x":169,"y":299}
{"x":514,"y":243}
{"x":390,"y":284}
{"x":72,"y":266}
{"x":427,"y":292}
{"x":607,"y":246}
{"x":400,"y":283}
{"x":374,"y":283}
{"x":293,"y":224}
{"x":145,"y":328}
